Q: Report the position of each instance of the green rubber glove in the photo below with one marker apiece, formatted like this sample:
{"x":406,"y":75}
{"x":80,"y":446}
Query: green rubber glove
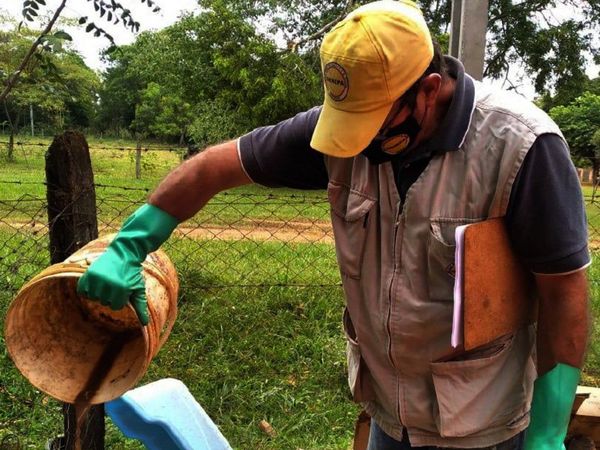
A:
{"x":553,"y":395}
{"x":115,"y":278}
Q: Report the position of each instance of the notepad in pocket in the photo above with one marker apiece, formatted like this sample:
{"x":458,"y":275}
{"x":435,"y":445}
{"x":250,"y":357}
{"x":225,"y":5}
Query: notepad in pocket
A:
{"x":493,"y":292}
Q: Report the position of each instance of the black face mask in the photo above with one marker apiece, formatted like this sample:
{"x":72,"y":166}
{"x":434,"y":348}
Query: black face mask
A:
{"x":387,"y":146}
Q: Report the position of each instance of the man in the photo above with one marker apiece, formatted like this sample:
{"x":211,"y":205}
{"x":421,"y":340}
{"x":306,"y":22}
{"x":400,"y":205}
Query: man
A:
{"x":409,"y":147}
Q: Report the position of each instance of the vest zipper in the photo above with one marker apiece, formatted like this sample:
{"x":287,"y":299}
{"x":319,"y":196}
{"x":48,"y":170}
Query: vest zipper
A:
{"x":389,"y":316}
{"x":390,"y":290}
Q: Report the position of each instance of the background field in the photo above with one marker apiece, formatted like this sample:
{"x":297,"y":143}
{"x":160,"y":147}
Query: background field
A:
{"x":258,"y":334}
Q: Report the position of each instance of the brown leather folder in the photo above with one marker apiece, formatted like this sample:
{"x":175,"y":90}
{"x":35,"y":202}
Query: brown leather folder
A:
{"x":498,"y":291}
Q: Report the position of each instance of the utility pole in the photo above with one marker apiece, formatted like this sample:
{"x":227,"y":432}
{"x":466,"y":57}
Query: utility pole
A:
{"x":467,"y":34}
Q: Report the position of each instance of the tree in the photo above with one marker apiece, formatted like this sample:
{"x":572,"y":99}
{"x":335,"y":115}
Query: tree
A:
{"x":579,"y":123}
{"x":110,"y":11}
{"x":119,"y":93}
{"x":54,"y":84}
{"x":80,"y":87}
{"x":213,"y":60}
{"x":162,"y":115}
{"x":58,"y":66}
{"x":553,"y":50}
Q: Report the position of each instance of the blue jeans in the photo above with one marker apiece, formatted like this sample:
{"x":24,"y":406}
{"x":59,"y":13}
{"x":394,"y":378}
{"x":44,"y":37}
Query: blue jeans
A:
{"x":378,"y":440}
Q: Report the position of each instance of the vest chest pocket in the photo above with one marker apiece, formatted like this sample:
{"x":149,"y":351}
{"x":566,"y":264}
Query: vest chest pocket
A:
{"x":350,"y":219}
{"x":441,"y":271}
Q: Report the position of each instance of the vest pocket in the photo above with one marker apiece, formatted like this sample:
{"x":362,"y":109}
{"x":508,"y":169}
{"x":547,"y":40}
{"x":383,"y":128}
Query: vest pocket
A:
{"x":359,"y":378}
{"x":441,"y":270}
{"x":486,"y":388}
{"x":350,"y":219}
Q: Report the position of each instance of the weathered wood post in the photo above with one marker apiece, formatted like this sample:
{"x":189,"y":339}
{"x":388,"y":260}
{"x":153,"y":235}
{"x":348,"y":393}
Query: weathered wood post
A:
{"x":72,"y":222}
{"x":138,"y":161}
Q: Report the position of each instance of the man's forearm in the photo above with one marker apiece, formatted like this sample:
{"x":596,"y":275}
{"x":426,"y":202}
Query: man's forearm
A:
{"x":563,"y":321}
{"x":191,"y":185}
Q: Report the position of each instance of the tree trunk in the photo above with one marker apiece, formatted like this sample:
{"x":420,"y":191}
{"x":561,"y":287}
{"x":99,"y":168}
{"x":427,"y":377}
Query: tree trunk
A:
{"x":10,"y":155}
{"x":138,"y":161}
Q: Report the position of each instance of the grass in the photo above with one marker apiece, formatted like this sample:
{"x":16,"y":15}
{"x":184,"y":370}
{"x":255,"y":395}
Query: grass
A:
{"x":119,"y":190}
{"x":246,"y":354}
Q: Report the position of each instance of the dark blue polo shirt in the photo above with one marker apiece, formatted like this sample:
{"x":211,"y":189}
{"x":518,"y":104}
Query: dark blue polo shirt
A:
{"x":545,"y":217}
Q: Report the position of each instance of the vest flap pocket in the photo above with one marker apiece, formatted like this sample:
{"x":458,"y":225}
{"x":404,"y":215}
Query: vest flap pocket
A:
{"x":350,"y":219}
{"x":347,"y":203}
{"x":484,"y":388}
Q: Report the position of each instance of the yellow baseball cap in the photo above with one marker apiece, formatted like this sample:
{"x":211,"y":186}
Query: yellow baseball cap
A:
{"x":368,"y":60}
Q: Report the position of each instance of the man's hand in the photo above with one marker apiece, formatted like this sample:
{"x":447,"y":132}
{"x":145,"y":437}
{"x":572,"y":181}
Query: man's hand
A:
{"x":115,"y":278}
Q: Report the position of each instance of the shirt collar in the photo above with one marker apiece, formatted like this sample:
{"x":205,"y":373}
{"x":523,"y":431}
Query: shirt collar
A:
{"x":453,"y":128}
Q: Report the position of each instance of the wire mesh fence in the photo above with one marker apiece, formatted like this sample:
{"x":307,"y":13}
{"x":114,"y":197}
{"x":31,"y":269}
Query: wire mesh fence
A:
{"x":238,"y":239}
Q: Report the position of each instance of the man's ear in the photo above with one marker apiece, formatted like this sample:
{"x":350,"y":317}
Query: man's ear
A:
{"x":429,"y":88}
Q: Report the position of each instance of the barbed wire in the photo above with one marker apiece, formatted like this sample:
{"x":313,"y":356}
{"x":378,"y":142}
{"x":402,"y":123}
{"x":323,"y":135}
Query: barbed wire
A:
{"x":317,"y":197}
{"x":97,"y":147}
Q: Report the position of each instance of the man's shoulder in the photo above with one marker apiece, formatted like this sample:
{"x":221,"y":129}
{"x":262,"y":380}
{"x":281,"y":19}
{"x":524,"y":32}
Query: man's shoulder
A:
{"x":511,"y":106}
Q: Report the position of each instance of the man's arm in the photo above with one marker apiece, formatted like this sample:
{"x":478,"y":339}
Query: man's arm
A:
{"x":563,"y":320}
{"x":191,"y":185}
{"x":115,"y":278}
{"x":563,"y":324}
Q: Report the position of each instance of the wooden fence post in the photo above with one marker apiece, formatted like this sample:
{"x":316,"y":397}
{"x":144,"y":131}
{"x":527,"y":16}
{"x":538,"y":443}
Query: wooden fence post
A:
{"x":138,"y":161}
{"x":72,"y":222}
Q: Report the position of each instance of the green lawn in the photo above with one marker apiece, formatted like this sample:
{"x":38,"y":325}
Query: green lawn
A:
{"x":119,"y":192}
{"x":247,"y":354}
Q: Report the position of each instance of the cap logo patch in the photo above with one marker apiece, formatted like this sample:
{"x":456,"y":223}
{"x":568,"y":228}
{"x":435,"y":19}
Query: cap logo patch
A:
{"x":395,"y":144}
{"x":336,"y":81}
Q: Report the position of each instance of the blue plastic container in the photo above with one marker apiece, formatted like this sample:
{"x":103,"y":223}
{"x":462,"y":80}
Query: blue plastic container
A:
{"x":165,"y":416}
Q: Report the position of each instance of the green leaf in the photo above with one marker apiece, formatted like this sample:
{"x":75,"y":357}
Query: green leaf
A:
{"x":90,"y":27}
{"x":63,"y":35}
{"x":82,"y":20}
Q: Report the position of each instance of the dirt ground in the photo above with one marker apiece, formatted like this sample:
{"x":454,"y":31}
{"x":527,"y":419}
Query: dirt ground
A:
{"x":264,"y":230}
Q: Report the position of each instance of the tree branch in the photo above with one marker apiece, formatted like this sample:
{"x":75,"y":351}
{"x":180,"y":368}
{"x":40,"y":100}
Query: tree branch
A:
{"x":15,"y":76}
{"x":294,"y":45}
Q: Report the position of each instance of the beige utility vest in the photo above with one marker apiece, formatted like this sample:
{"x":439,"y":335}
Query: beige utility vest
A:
{"x":397,"y":271}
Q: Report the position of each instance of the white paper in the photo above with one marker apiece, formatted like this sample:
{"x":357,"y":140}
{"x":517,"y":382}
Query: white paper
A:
{"x":457,"y":317}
